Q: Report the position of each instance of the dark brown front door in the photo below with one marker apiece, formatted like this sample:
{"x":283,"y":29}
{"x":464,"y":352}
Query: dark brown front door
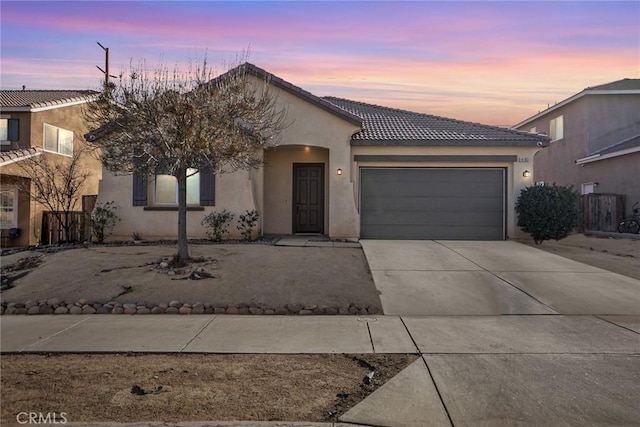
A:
{"x":308,"y":197}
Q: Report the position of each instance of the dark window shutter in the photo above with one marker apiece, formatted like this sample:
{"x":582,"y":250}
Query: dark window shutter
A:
{"x":139,"y":189}
{"x":13,"y":131}
{"x":207,"y":187}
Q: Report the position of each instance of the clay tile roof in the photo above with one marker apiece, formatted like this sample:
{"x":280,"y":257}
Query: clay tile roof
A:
{"x":390,"y":126}
{"x":13,"y":156}
{"x":41,"y":98}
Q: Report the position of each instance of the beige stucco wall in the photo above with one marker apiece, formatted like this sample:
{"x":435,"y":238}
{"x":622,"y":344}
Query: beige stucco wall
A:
{"x":328,"y":138}
{"x":233,"y":192}
{"x":31,"y":135}
{"x":514,"y":170}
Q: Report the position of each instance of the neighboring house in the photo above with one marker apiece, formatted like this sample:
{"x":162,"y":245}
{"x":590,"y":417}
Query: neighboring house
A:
{"x":351,"y":170}
{"x":595,"y":140}
{"x":36,"y":123}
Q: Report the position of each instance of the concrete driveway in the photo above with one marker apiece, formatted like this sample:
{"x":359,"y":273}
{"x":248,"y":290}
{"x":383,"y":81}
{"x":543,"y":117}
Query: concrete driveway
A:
{"x":442,"y":278}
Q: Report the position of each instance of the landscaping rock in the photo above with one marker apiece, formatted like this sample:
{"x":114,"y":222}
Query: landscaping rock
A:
{"x":176,"y":304}
{"x":185,"y":310}
{"x":84,"y":301}
{"x":117,"y":310}
{"x":294,"y":308}
{"x":21,"y":310}
{"x":197,"y":309}
{"x":143,"y":310}
{"x":158,"y":309}
{"x":54,"y":301}
{"x":30,"y":304}
{"x":243,"y":310}
{"x":61,"y":310}
{"x":88,"y":309}
{"x":172,"y":310}
{"x":220,"y":310}
{"x":131,"y":310}
{"x":232,"y":310}
{"x":10,"y":310}
{"x":305,"y":312}
{"x":255,"y":310}
{"x":75,"y":310}
{"x":34,"y":309}
{"x":45,"y":309}
{"x":104,"y":310}
{"x":269,"y":312}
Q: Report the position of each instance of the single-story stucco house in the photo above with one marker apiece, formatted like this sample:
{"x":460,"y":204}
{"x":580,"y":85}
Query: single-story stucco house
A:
{"x":351,"y":170}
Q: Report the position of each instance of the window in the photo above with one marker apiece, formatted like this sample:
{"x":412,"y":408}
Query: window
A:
{"x":556,"y":128}
{"x":8,"y":208}
{"x":58,"y":140}
{"x":9,"y":129}
{"x":589,"y":188}
{"x":166,"y":189}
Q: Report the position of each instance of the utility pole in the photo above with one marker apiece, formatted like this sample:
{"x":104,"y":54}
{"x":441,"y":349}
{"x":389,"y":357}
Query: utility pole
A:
{"x":106,"y":67}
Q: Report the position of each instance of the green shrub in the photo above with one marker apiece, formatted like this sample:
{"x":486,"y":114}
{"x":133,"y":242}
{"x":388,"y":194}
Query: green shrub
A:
{"x":103,"y":219}
{"x":547,"y":212}
{"x":216,"y":224}
{"x":247,"y":222}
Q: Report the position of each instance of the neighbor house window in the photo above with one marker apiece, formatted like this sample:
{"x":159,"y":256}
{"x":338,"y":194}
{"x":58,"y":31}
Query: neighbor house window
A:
{"x":589,"y":188}
{"x":58,"y":140}
{"x":166,"y":188}
{"x":8,"y":208}
{"x":556,"y":128}
{"x":8,"y":130}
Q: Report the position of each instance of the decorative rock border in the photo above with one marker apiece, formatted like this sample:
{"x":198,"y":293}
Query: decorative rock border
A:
{"x":84,"y":306}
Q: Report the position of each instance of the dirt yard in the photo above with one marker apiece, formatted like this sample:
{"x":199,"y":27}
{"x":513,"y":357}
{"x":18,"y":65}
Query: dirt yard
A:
{"x":242,"y":273}
{"x":191,"y":387}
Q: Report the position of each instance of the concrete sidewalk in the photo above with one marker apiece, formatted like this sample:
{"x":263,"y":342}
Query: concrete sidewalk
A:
{"x":474,"y":370}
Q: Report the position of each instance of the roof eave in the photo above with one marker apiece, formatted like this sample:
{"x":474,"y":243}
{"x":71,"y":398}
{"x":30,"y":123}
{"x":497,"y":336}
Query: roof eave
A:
{"x":575,"y":98}
{"x":450,"y":143}
{"x":303,"y":94}
{"x":598,"y":157}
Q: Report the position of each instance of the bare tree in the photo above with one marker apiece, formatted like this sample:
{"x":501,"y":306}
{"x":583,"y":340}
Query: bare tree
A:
{"x":179,"y":121}
{"x":56,"y":182}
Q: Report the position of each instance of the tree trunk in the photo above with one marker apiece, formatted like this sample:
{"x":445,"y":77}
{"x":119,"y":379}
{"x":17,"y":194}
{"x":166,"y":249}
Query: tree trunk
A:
{"x":183,"y":248}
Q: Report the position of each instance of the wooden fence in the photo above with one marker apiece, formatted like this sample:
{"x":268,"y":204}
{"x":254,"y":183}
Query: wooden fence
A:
{"x":53,"y":232}
{"x":602,"y":212}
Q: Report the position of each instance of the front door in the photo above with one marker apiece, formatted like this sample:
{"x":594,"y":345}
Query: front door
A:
{"x":308,"y":198}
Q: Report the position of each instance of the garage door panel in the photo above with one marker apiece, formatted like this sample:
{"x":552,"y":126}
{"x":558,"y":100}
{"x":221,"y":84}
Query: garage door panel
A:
{"x":446,"y":218}
{"x":422,"y":203}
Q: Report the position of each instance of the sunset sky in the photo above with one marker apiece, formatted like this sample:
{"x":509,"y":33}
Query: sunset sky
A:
{"x":490,"y":62}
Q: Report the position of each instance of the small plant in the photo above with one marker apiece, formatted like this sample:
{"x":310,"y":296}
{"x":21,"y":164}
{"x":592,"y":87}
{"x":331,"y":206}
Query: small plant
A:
{"x":547,"y":212}
{"x":103,"y":219}
{"x":136,"y":237}
{"x":247,"y":223}
{"x":216,"y":224}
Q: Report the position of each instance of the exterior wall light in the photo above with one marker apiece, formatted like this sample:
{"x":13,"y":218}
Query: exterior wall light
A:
{"x":526,"y":174}
{"x":339,"y":172}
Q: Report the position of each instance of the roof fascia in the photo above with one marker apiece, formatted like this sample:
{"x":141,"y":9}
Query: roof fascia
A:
{"x":451,"y":143}
{"x":36,"y":109}
{"x":303,"y":94}
{"x":598,"y":157}
{"x":575,"y":98}
{"x":17,"y":159}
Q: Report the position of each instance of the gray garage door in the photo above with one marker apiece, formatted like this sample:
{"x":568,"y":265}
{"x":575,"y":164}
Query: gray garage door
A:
{"x":421,"y":203}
